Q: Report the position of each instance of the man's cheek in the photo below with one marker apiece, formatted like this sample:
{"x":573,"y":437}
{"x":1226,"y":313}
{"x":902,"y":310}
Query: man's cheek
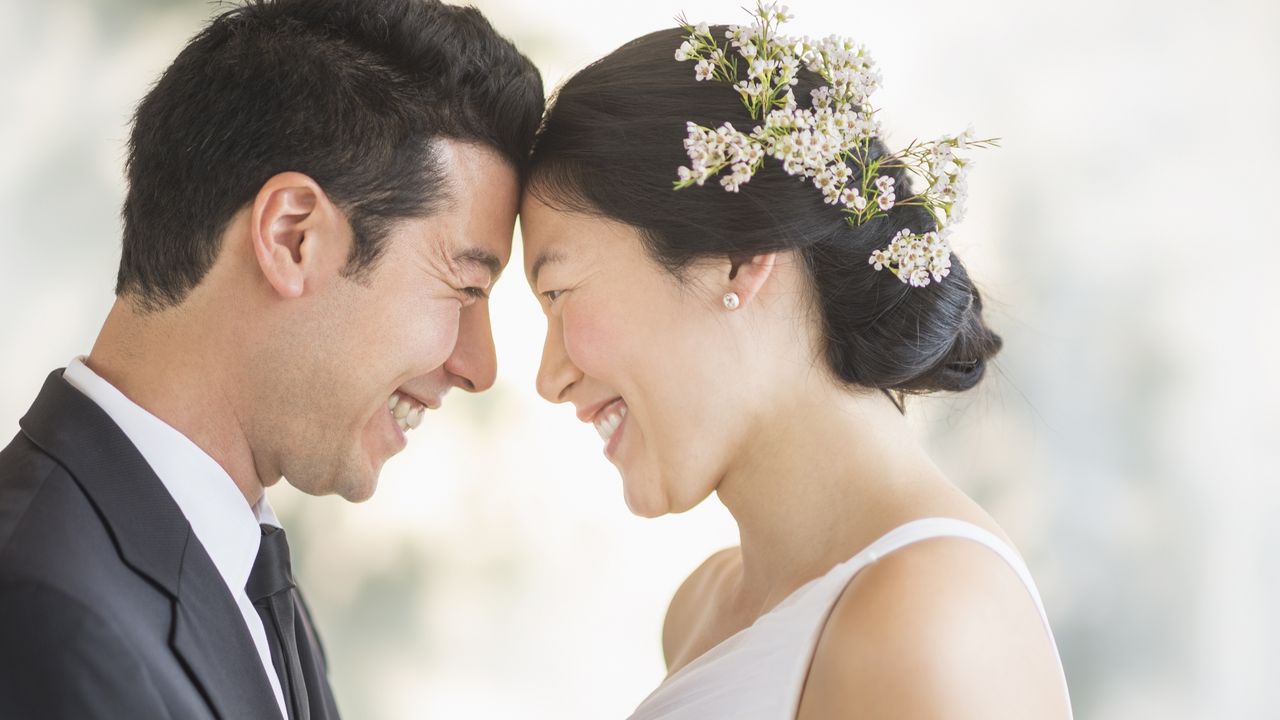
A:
{"x":441,"y":337}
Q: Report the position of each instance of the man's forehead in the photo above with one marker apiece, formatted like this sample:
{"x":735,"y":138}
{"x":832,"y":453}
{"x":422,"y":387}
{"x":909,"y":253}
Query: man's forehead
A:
{"x":484,"y":199}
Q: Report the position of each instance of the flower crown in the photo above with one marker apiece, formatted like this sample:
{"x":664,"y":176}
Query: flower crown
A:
{"x":827,"y":141}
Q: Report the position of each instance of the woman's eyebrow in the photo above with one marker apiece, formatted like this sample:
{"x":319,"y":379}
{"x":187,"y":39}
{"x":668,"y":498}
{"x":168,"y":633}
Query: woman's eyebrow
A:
{"x":547,"y":256}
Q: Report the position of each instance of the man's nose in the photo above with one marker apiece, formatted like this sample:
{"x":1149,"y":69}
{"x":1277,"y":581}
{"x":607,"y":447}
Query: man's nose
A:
{"x":556,"y":373}
{"x":473,"y":366}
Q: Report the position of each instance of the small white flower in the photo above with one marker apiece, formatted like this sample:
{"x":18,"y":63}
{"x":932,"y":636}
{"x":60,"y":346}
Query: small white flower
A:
{"x":828,"y":146}
{"x":880,"y":259}
{"x":741,"y":174}
{"x":685,"y":51}
{"x":704,"y":70}
{"x":885,"y":201}
{"x":749,"y":90}
{"x":702,"y":29}
{"x":884,"y":184}
{"x":849,"y":197}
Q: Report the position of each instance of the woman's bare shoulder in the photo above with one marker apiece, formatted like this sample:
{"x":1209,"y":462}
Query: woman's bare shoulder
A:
{"x":690,"y":604}
{"x":941,"y":628}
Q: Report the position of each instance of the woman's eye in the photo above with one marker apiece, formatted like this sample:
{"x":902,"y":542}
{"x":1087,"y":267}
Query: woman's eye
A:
{"x":551,"y":295}
{"x":475,"y":292}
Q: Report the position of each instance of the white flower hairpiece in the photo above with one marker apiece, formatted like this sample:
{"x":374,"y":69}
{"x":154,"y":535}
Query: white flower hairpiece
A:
{"x":828,"y":142}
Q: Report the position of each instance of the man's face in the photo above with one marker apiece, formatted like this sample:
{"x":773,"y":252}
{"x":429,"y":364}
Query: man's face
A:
{"x":368,"y":357}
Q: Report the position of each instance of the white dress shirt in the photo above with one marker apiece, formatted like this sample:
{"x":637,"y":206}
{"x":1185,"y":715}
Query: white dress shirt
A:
{"x":224,"y":523}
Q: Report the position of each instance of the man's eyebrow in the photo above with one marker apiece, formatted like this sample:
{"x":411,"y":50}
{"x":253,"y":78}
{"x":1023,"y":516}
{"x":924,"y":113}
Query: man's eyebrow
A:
{"x":543,"y":259}
{"x":484,"y":258}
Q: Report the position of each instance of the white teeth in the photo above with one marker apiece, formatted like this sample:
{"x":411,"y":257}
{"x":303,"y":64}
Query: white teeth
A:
{"x":608,"y":425}
{"x":402,"y":409}
{"x":406,"y":411}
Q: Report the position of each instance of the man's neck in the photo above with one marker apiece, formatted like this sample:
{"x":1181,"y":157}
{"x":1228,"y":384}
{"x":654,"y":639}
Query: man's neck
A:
{"x":160,"y":364}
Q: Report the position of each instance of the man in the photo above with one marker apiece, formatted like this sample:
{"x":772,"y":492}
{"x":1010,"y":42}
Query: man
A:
{"x":320,"y":194}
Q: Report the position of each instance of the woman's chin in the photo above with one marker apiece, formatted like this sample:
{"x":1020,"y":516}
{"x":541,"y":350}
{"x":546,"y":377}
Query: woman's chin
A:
{"x":645,"y":504}
{"x":652,"y":500}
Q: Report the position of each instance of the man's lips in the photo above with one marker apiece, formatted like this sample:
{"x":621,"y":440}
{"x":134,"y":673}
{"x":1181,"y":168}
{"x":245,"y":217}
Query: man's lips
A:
{"x":430,"y":401}
{"x":407,"y":407}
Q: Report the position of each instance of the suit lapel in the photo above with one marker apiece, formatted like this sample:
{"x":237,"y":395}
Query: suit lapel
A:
{"x":141,"y":516}
{"x":210,"y":637}
{"x":155,"y":540}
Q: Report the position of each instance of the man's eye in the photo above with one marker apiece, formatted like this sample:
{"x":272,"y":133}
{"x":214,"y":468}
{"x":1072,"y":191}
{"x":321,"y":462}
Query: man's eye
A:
{"x":551,"y":295}
{"x":477,"y":293}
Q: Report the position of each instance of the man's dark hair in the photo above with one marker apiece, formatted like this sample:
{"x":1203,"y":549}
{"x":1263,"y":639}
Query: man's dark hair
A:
{"x":353,"y":93}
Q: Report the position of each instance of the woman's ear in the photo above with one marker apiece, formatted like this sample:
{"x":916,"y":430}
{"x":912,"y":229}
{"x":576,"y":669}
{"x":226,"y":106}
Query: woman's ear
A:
{"x":297,"y":233}
{"x":747,"y":275}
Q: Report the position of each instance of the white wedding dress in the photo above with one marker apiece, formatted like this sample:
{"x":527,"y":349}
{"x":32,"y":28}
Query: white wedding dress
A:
{"x":759,"y":673}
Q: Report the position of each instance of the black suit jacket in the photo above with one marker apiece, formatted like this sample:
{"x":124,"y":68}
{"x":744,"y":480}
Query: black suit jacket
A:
{"x":109,"y":605}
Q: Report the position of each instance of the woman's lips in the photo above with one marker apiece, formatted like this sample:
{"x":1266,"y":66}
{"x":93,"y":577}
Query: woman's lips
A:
{"x":609,"y":418}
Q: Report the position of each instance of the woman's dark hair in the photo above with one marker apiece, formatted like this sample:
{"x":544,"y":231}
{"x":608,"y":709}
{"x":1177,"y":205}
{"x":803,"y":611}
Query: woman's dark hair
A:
{"x":610,"y":144}
{"x":352,"y":93}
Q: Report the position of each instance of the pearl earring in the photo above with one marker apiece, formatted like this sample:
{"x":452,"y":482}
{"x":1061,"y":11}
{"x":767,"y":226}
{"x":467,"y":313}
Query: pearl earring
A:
{"x":731,"y":301}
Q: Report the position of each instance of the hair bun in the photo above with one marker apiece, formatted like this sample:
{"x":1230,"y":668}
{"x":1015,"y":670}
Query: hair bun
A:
{"x":965,"y":363}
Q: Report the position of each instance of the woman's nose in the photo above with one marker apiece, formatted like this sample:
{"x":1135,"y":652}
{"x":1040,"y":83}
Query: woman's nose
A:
{"x":557,"y":372}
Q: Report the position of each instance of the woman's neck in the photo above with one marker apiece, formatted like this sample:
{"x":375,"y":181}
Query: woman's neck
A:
{"x":820,"y":478}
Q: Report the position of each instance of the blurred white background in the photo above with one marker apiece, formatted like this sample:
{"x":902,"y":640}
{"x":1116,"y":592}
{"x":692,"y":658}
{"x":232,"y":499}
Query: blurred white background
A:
{"x":1123,"y":236}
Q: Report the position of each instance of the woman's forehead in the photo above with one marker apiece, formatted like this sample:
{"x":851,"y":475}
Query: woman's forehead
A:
{"x":553,"y":235}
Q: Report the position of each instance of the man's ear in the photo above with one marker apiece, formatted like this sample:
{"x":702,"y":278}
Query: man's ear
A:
{"x":297,"y":233}
{"x":748,"y":273}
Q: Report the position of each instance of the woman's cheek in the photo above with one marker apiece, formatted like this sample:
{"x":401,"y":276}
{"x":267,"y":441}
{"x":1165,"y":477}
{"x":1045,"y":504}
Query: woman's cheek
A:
{"x":593,"y":340}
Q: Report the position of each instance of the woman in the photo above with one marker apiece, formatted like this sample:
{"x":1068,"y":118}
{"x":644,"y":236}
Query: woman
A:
{"x":751,"y":343}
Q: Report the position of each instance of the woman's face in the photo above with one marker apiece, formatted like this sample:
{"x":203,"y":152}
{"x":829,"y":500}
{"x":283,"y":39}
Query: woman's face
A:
{"x":647,"y":359}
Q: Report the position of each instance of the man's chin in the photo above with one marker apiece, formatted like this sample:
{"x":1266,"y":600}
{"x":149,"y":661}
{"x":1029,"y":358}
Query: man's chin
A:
{"x":352,"y":486}
{"x":360,"y":492}
{"x":356,"y":487}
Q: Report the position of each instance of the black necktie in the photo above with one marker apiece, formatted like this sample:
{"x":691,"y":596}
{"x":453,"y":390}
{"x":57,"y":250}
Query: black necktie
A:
{"x":295,"y":651}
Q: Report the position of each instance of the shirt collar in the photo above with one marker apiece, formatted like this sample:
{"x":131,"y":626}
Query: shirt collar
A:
{"x":222,"y":521}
